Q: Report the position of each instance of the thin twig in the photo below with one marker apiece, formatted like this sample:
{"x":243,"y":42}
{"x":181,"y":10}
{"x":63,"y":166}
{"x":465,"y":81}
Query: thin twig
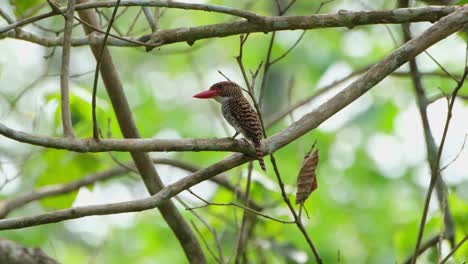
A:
{"x":57,"y":10}
{"x":320,"y":91}
{"x":266,"y":68}
{"x":219,"y":258}
{"x":202,"y":237}
{"x":290,"y":49}
{"x":298,"y":221}
{"x":96,"y":74}
{"x":7,"y":17}
{"x":284,"y":10}
{"x":193,"y":34}
{"x":132,"y":25}
{"x":454,"y":249}
{"x":114,"y":26}
{"x":150,"y":18}
{"x":268,"y":62}
{"x":207,"y":204}
{"x":224,"y":75}
{"x":242,"y":40}
{"x":431,"y":242}
{"x":252,"y":17}
{"x":6,"y":206}
{"x":441,"y":67}
{"x":456,"y":156}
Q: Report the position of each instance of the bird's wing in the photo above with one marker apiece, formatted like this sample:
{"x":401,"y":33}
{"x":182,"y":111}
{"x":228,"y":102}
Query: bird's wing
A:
{"x":247,"y":119}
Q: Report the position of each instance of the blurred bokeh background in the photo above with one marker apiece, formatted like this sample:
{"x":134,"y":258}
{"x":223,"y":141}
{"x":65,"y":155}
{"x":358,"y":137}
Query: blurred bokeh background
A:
{"x":372,"y":174}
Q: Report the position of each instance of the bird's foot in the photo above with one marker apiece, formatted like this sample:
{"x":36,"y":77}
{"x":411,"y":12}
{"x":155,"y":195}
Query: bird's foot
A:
{"x":235,"y":135}
{"x":245,"y":141}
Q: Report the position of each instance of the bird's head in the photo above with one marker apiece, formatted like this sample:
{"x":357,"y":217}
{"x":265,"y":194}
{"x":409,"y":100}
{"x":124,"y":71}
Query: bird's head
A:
{"x":221,"y":90}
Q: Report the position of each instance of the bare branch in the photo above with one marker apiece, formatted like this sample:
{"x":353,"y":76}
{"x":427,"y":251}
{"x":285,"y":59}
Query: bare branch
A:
{"x":65,"y":71}
{"x":341,"y":19}
{"x":245,"y":208}
{"x":266,"y":69}
{"x":204,"y":241}
{"x":246,"y":224}
{"x":454,"y":249}
{"x":441,"y":67}
{"x":290,"y":49}
{"x":143,"y":3}
{"x":456,"y":156}
{"x":297,"y":218}
{"x":320,"y":91}
{"x":7,"y":17}
{"x":150,"y":18}
{"x":431,"y":242}
{"x":219,"y":259}
{"x":192,"y":34}
{"x":9,"y":205}
{"x":132,"y":25}
{"x":6,"y":206}
{"x":99,"y":60}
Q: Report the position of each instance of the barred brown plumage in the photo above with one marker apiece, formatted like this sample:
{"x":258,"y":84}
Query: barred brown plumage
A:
{"x":238,"y":112}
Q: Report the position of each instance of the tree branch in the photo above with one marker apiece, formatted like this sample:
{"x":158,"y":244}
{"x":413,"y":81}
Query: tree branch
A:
{"x":454,"y":249}
{"x":431,"y":242}
{"x":99,"y":60}
{"x":13,"y":253}
{"x":150,"y":18}
{"x":192,"y":34}
{"x":6,"y":206}
{"x":143,"y":3}
{"x":65,"y":71}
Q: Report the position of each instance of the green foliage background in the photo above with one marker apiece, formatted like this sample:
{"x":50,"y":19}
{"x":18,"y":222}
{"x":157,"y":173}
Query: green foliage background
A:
{"x":357,"y":211}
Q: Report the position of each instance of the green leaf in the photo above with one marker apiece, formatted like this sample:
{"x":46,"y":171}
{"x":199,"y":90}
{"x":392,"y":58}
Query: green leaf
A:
{"x":63,"y":167}
{"x":21,"y":6}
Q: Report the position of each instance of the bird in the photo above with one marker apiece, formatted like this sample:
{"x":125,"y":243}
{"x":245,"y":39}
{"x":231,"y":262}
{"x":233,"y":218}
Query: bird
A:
{"x":238,"y":113}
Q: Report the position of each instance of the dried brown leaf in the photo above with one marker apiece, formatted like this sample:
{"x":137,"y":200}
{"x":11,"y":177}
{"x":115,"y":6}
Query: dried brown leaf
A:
{"x":307,"y":180}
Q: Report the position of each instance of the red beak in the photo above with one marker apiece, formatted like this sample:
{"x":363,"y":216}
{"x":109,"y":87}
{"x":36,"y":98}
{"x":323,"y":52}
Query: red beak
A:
{"x":206,"y":94}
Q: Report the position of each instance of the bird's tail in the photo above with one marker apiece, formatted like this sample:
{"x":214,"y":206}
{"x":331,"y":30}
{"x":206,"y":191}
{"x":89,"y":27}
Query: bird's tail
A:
{"x":259,"y":153}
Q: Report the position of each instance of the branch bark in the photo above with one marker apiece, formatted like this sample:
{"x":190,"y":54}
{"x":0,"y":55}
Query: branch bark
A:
{"x":65,"y":71}
{"x":269,"y":23}
{"x":153,"y":183}
{"x":13,"y":253}
{"x":6,"y":206}
{"x":378,"y":72}
{"x":128,"y":144}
